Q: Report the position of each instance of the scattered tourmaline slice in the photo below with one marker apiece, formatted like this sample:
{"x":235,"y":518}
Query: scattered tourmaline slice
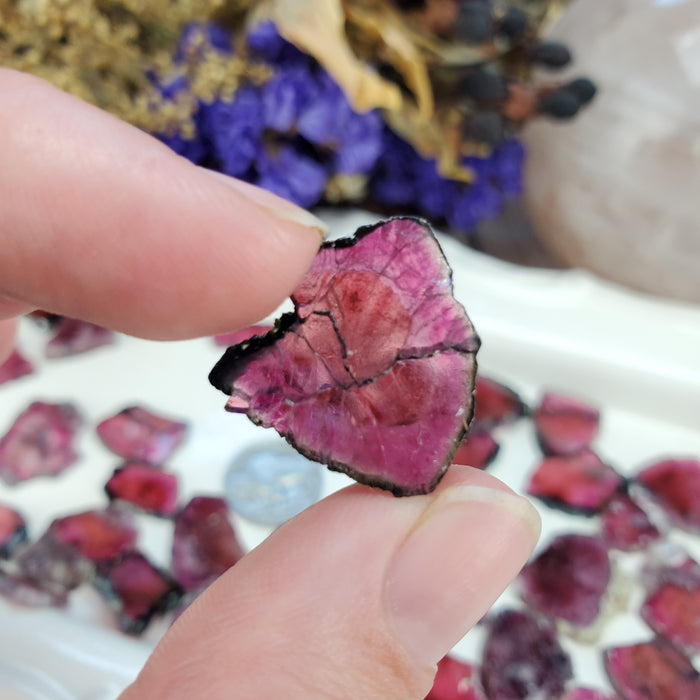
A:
{"x":98,"y":535}
{"x":494,"y":404}
{"x":13,"y":530}
{"x":523,"y":659}
{"x":568,"y":579}
{"x":235,"y":337}
{"x":137,"y":590}
{"x":14,"y":367}
{"x":456,"y":680}
{"x":580,"y":483}
{"x":269,"y":484}
{"x":626,"y":526}
{"x":586,"y":694}
{"x":204,"y":544}
{"x":373,"y":373}
{"x":675,"y":485}
{"x":147,"y":487}
{"x":653,"y":670}
{"x":140,"y":435}
{"x":40,"y":442}
{"x":72,"y":337}
{"x":24,"y":591}
{"x":565,"y":425}
{"x":477,"y":449}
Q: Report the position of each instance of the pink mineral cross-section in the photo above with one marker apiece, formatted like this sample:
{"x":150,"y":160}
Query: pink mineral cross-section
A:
{"x":373,"y":373}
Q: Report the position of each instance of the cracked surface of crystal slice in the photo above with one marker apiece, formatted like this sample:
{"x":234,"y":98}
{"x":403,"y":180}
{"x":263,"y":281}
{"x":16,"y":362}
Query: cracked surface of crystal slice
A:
{"x":373,"y":373}
{"x":565,"y":425}
{"x":271,"y":483}
{"x":39,"y":442}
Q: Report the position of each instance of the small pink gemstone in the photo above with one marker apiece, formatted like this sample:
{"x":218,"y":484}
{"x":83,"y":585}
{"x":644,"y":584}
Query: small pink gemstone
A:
{"x":586,"y":694}
{"x":478,"y":449}
{"x":456,"y":680}
{"x":626,"y":526}
{"x":27,"y":592}
{"x":13,"y":530}
{"x":675,"y":485}
{"x":14,"y":367}
{"x":495,"y":403}
{"x":142,"y":485}
{"x":565,"y":425}
{"x":140,"y":435}
{"x":72,"y":337}
{"x":235,"y":337}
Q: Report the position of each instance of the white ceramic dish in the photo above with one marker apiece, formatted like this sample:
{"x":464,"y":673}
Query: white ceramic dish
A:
{"x":636,"y":357}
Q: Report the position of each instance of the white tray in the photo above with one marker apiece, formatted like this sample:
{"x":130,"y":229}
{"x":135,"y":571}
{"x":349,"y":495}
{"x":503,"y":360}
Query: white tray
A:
{"x":636,"y":357}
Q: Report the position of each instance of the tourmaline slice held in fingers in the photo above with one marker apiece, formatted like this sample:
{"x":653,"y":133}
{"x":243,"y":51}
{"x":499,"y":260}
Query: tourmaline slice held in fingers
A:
{"x":137,"y":590}
{"x":13,"y":530}
{"x":580,"y":483}
{"x":495,"y":403}
{"x":653,"y":670}
{"x":565,"y":425}
{"x":204,"y":544}
{"x":478,"y":449}
{"x":72,"y":337}
{"x":140,"y":435}
{"x":144,"y":486}
{"x":373,"y":372}
{"x":626,"y":526}
{"x":14,"y":367}
{"x":236,"y":337}
{"x":523,"y":659}
{"x":675,"y":486}
{"x":568,"y":579}
{"x":40,"y":442}
{"x":456,"y":680}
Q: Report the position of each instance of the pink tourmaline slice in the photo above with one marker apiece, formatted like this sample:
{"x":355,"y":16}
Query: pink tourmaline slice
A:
{"x":478,"y":449}
{"x":494,"y":404}
{"x":97,"y":534}
{"x":138,"y":590}
{"x":568,"y":579}
{"x":13,"y":530}
{"x":140,"y":435}
{"x":204,"y":544}
{"x":580,"y":483}
{"x":456,"y":680}
{"x":586,"y":694}
{"x":144,"y":486}
{"x":14,"y":367}
{"x":40,"y":442}
{"x":373,"y":373}
{"x":72,"y":337}
{"x":24,"y":591}
{"x":236,"y":337}
{"x":652,"y":670}
{"x":565,"y":425}
{"x":626,"y":526}
{"x":523,"y":659}
{"x":675,"y":485}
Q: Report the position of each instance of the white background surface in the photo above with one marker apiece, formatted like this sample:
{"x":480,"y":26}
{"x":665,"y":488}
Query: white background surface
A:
{"x":637,"y":358}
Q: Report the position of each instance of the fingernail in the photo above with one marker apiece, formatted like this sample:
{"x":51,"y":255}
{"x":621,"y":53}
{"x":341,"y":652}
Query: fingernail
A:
{"x":462,"y":552}
{"x":281,"y":208}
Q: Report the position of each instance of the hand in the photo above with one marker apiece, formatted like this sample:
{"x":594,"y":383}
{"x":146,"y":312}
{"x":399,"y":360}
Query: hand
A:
{"x":360,"y":595}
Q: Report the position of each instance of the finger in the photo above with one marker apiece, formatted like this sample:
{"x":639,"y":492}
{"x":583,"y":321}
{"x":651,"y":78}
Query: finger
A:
{"x":358,"y":597}
{"x":103,"y":222}
{"x":9,"y":308}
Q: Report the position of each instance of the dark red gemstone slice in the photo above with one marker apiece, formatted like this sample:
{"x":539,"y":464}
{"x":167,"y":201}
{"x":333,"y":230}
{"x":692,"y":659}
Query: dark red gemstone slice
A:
{"x":568,"y":579}
{"x":477,"y":449}
{"x":374,"y":371}
{"x":675,"y":485}
{"x":580,"y":483}
{"x":236,"y":337}
{"x":40,"y":442}
{"x":495,"y":403}
{"x":626,"y":526}
{"x":13,"y":530}
{"x":652,"y":670}
{"x":565,"y":425}
{"x":204,"y":544}
{"x":142,"y":485}
{"x":140,"y":435}
{"x":72,"y":337}
{"x":14,"y":367}
{"x":456,"y":680}
{"x":523,"y":659}
{"x":137,"y":590}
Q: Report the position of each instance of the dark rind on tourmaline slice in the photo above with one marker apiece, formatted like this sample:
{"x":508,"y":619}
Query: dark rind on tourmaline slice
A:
{"x":373,"y":373}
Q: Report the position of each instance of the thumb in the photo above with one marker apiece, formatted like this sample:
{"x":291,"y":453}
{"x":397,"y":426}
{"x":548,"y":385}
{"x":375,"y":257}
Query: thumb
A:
{"x":357,"y":597}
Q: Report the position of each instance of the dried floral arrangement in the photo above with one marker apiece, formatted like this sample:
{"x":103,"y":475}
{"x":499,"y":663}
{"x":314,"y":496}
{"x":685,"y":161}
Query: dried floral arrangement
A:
{"x":405,"y":106}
